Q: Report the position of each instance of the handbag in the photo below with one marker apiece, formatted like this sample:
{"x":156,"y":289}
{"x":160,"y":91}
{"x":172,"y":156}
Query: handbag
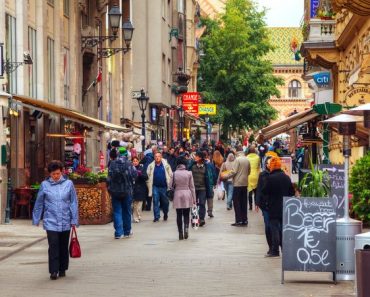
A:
{"x":171,"y":192}
{"x":194,"y":217}
{"x":219,"y":192}
{"x":74,"y":245}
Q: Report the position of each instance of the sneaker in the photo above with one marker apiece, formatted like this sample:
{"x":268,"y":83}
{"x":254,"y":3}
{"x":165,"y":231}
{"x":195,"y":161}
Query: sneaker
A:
{"x":128,"y":236}
{"x":155,"y":220}
{"x":118,"y":237}
{"x":53,"y":276}
{"x":165,"y":217}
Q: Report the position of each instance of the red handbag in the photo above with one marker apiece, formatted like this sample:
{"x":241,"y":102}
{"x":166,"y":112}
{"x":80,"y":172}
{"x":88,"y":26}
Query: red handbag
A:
{"x":74,"y":245}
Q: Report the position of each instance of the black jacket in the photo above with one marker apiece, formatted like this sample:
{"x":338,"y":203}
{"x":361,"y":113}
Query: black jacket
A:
{"x":262,"y":199}
{"x":140,"y":187}
{"x":277,"y":186}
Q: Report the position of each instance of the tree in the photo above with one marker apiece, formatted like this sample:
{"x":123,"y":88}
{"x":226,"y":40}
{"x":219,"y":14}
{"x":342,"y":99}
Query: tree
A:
{"x":233,"y":70}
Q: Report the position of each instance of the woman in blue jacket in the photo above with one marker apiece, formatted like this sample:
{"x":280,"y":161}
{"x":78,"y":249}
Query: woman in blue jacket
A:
{"x":57,"y":201}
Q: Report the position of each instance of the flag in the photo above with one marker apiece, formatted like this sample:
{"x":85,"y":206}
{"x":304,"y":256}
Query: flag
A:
{"x":98,"y":78}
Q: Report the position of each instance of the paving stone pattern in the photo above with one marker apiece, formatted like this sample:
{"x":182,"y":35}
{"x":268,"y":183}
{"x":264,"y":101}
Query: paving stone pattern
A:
{"x":217,"y":260}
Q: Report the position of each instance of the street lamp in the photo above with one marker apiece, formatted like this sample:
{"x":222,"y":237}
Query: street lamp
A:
{"x":207,"y":124}
{"x":347,"y":228}
{"x":114,"y":16}
{"x":143,"y":103}
{"x":181,"y":114}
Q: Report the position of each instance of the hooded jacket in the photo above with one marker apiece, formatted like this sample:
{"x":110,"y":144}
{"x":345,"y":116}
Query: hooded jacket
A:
{"x":57,"y":200}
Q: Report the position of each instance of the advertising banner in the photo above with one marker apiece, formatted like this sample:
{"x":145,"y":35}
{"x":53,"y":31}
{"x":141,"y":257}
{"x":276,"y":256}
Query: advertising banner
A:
{"x":210,"y":109}
{"x":190,"y":102}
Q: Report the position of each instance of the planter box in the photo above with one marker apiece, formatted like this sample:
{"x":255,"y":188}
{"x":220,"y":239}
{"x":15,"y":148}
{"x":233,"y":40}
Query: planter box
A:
{"x":94,"y":203}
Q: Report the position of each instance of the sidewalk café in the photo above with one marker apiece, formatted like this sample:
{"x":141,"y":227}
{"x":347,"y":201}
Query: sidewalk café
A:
{"x":40,"y":132}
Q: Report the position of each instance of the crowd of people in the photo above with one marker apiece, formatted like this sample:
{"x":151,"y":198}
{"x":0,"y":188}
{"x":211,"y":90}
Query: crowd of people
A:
{"x":249,"y":175}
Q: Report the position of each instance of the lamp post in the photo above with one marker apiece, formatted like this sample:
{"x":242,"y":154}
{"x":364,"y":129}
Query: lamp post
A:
{"x":143,"y":103}
{"x":347,"y":228}
{"x":207,"y":126}
{"x":181,"y":114}
{"x":114,"y":18}
{"x":182,"y":81}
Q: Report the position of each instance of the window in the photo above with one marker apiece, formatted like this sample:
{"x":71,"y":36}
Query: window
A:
{"x":11,"y":51}
{"x":51,"y":70}
{"x":181,"y":6}
{"x":169,"y":72}
{"x":66,"y":8}
{"x":164,"y":68}
{"x":295,"y":89}
{"x":32,"y":69}
{"x":66,"y":77}
{"x":164,"y":9}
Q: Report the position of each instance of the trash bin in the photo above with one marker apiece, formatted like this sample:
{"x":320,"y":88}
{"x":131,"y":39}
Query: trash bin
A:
{"x":362,"y":250}
{"x":363,"y":271}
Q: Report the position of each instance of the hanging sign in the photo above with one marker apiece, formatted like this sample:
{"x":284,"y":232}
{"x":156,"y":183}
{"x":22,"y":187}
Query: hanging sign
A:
{"x":190,"y":103}
{"x":313,"y":9}
{"x":210,"y":109}
{"x":322,"y":79}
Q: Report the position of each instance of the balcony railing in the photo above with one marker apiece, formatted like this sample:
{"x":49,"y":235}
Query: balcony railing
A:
{"x":321,"y":30}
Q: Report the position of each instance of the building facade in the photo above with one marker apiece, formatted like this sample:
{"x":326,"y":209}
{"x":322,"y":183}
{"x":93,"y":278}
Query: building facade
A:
{"x":295,"y":94}
{"x":339,"y":43}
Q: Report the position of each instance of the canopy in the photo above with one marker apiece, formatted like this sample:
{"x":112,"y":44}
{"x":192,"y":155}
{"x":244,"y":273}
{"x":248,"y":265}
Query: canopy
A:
{"x":67,"y":113}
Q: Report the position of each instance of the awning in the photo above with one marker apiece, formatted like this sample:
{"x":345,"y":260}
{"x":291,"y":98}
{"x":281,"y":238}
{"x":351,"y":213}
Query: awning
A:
{"x":286,"y":124}
{"x":67,"y":113}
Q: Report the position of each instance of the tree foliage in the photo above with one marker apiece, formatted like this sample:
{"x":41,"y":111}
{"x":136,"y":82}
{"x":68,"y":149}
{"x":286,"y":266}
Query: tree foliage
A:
{"x":233,"y":71}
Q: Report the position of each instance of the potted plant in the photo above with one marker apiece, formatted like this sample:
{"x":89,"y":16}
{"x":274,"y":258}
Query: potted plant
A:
{"x":315,"y":183}
{"x":359,"y":186}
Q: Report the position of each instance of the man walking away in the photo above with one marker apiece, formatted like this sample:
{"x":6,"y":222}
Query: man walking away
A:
{"x":213,"y":180}
{"x":240,"y":172}
{"x":169,"y":155}
{"x":262,"y":202}
{"x":203,"y":182}
{"x":277,"y":185}
{"x":159,"y":177}
{"x":121,"y":176}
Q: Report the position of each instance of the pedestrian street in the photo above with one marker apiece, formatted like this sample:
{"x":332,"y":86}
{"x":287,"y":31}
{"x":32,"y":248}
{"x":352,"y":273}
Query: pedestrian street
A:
{"x":216,"y":260}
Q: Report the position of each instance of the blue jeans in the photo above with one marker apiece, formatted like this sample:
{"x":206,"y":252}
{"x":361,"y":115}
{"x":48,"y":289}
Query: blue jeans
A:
{"x":160,"y":200}
{"x":121,"y":215}
{"x":229,"y":188}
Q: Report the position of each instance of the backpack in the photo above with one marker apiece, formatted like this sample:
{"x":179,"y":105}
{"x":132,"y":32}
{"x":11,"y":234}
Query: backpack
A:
{"x":119,"y":179}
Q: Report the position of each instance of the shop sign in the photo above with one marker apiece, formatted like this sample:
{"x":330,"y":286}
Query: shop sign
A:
{"x":210,"y":109}
{"x":1,"y":60}
{"x":314,"y":6}
{"x":322,"y":79}
{"x":190,"y":102}
{"x":357,"y":96}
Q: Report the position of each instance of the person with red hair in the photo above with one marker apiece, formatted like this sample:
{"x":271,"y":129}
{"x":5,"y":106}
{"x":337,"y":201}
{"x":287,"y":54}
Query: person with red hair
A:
{"x":277,"y":185}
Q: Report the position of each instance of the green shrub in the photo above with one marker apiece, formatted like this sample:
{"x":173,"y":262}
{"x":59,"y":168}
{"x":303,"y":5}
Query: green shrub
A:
{"x":315,"y":183}
{"x":359,"y":186}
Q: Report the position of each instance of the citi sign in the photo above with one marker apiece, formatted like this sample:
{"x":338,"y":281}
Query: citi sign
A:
{"x":322,"y":79}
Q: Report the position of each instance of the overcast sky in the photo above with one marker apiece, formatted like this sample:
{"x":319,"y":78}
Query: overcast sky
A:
{"x":283,"y":13}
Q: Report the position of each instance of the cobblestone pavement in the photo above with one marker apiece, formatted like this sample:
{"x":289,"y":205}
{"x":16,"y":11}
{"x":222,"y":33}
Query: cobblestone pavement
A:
{"x":217,"y":260}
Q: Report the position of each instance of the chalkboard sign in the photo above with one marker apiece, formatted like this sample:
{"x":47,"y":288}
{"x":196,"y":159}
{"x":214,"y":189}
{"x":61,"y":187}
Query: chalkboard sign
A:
{"x":336,"y":174}
{"x":309,"y":235}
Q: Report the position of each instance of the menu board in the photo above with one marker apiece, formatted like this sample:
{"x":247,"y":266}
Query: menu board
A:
{"x":309,"y":235}
{"x":336,"y":175}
